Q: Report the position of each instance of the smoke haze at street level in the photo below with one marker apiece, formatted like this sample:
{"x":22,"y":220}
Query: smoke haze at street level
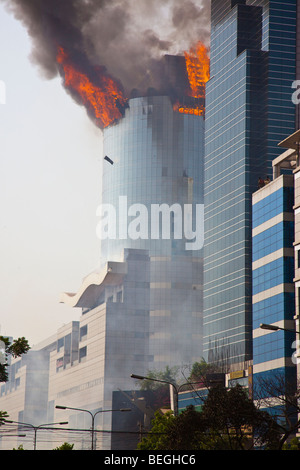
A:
{"x":127,"y":37}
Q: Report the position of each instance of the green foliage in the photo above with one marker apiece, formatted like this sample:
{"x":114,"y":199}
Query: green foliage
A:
{"x":158,"y":383}
{"x":18,"y":347}
{"x":294,"y":444}
{"x":3,"y":417}
{"x":199,"y":371}
{"x":65,"y":446}
{"x":228,"y":420}
{"x":168,"y":375}
{"x":231,"y":417}
{"x":157,"y":437}
{"x":185,"y":430}
{"x":15,"y":349}
{"x":20,"y":447}
{"x":243,"y":424}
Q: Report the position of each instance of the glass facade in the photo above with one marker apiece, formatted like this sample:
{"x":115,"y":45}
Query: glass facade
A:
{"x":274,"y":204}
{"x":157,"y":156}
{"x":248,"y":109}
{"x":158,"y":159}
{"x":279,"y":40}
{"x":273,"y":287}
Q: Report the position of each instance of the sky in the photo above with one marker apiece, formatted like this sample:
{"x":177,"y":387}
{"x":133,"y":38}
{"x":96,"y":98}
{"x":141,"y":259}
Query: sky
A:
{"x":50,"y":187}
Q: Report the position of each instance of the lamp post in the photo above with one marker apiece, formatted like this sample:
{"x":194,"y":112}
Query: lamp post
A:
{"x":176,"y":389}
{"x":93,"y":415}
{"x":171,"y":385}
{"x":266,"y":326}
{"x":35,"y":428}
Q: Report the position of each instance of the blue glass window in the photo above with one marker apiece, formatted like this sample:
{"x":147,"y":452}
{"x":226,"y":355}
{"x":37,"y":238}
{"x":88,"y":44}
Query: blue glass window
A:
{"x":279,"y":236}
{"x":272,"y":274}
{"x":280,"y":201}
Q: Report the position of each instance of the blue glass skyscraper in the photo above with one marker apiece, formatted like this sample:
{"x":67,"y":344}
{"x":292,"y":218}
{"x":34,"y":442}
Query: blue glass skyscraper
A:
{"x":273,"y":288}
{"x":248,"y":111}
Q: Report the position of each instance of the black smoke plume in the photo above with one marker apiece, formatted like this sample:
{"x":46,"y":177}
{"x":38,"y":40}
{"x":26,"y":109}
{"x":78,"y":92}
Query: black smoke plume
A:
{"x":127,"y":37}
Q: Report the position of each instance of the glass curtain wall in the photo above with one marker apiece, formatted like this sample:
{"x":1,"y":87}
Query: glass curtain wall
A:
{"x":157,"y":157}
{"x":248,"y":105}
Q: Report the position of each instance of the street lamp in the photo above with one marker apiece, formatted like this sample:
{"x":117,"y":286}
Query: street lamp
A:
{"x":266,"y":326}
{"x":171,"y":385}
{"x":35,"y":428}
{"x":61,"y":407}
{"x":175,"y":388}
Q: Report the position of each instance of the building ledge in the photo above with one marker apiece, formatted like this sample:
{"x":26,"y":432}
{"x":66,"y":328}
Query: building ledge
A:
{"x":94,"y":284}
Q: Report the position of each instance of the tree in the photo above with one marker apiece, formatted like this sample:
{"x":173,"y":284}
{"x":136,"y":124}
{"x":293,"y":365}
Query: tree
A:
{"x":185,"y":430}
{"x":228,"y":420}
{"x":157,"y":437}
{"x":280,"y":394}
{"x":15,"y":349}
{"x":65,"y":446}
{"x":294,"y":444}
{"x":199,"y":371}
{"x":169,"y":375}
{"x":160,"y":390}
{"x":236,"y":423}
{"x":3,"y":417}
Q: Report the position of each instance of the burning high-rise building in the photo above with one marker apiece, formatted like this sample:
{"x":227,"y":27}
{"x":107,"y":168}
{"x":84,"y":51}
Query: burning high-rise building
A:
{"x":149,"y":287}
{"x":183,"y":79}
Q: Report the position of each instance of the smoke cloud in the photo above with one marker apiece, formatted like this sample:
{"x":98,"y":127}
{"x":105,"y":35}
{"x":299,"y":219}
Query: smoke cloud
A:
{"x":127,"y":37}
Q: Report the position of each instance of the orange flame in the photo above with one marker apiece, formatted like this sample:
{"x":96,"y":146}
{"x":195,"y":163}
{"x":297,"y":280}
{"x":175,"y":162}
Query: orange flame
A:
{"x":102,"y":100}
{"x":197,"y":67}
{"x":196,"y":110}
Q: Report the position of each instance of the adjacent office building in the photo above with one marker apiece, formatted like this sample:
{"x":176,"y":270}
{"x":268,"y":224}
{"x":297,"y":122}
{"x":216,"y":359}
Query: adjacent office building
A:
{"x":273,"y":286}
{"x":248,"y":110}
{"x":69,"y":369}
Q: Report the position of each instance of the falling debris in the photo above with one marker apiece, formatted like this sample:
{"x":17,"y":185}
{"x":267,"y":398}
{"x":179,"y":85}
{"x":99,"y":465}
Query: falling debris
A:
{"x":108,"y":159}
